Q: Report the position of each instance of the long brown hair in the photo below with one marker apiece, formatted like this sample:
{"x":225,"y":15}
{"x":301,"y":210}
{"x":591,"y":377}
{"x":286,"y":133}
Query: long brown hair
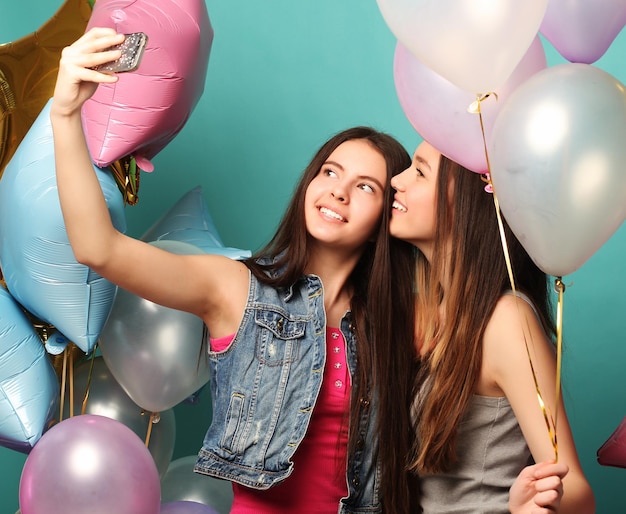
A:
{"x":382,"y":314}
{"x":469,"y":253}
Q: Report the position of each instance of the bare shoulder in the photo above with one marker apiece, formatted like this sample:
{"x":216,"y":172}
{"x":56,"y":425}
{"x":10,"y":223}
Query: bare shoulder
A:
{"x":512,"y":319}
{"x":512,"y":334}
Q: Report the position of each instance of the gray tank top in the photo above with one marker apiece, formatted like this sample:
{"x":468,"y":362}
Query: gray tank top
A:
{"x":491,"y":450}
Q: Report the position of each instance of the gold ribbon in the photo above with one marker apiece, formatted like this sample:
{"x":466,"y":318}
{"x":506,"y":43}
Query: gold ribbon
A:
{"x":559,"y":287}
{"x":126,"y":173}
{"x":155,"y":417}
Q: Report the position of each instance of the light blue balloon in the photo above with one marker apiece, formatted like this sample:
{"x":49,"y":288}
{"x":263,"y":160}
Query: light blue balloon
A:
{"x":189,"y":221}
{"x":35,"y":255}
{"x":29,"y":388}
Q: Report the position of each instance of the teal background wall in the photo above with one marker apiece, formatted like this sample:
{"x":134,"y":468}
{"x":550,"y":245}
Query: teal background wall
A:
{"x":282,"y":77}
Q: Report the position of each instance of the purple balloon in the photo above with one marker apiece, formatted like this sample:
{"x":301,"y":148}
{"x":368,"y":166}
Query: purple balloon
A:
{"x":92,"y":464}
{"x":186,"y":507}
{"x":583,"y":30}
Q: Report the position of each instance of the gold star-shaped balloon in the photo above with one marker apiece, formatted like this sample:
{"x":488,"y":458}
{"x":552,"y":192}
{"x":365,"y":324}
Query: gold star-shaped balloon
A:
{"x":28,"y":69}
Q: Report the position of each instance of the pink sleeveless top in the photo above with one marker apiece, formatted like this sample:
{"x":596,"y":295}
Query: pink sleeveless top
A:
{"x":318,"y":480}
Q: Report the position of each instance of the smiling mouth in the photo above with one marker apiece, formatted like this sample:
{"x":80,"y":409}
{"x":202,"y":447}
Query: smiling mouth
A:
{"x":398,"y":206}
{"x":331,"y":214}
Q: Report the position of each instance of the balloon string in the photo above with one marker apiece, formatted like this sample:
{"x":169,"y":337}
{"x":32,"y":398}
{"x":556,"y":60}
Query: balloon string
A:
{"x":71,"y":377}
{"x":560,"y":289}
{"x":550,"y":422}
{"x":86,"y":395}
{"x":63,"y":376}
{"x":154,"y":416}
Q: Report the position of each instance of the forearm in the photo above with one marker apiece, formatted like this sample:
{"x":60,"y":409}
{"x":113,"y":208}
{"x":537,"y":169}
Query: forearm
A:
{"x":578,"y":497}
{"x":87,"y":219}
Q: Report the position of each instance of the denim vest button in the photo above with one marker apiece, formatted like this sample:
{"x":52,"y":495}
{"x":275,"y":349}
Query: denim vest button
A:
{"x":356,"y":481}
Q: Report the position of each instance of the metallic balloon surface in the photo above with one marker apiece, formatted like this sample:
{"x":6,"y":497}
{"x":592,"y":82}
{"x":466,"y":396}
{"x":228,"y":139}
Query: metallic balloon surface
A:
{"x":439,"y":110}
{"x":557,"y":164}
{"x":190,"y":221}
{"x":90,"y":464}
{"x":474,"y":45}
{"x":36,"y":258}
{"x":28,"y":69}
{"x":142,"y":112}
{"x":582,"y":31}
{"x":186,"y":507}
{"x":181,"y":483}
{"x":155,"y":353}
{"x":107,"y":398}
{"x":29,"y":389}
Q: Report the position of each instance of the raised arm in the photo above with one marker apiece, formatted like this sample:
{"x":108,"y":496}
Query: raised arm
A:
{"x":505,"y":358}
{"x":212,"y":287}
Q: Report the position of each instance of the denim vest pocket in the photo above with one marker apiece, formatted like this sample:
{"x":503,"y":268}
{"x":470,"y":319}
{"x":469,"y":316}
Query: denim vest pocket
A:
{"x":278,"y":337}
{"x":233,"y":420}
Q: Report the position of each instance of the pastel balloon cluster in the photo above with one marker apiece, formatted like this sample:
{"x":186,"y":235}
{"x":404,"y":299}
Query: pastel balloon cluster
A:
{"x":45,"y":286}
{"x":472,"y":79}
{"x":144,"y":110}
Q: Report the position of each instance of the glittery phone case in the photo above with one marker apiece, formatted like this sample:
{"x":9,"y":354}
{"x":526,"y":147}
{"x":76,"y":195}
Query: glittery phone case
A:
{"x":132,"y":50}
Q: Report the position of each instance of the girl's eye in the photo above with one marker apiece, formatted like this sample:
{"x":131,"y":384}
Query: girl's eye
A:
{"x":367,"y":188}
{"x":329,"y":173}
{"x":419,"y":172}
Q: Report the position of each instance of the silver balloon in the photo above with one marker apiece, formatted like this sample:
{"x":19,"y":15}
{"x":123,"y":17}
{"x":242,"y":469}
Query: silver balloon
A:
{"x":557,"y":164}
{"x":181,"y":483}
{"x":154,"y":352}
{"x":107,"y":398}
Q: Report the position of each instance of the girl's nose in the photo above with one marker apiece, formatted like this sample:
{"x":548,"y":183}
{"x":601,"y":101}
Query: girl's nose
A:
{"x":396,"y":183}
{"x":339,"y":193}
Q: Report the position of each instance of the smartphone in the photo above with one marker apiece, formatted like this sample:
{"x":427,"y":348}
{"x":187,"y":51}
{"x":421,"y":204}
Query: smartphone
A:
{"x":132,"y":49}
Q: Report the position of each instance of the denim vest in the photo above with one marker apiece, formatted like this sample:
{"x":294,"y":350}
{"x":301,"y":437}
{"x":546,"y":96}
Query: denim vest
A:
{"x":264,"y":389}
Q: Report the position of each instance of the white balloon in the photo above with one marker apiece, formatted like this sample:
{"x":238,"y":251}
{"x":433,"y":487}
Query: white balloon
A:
{"x":475,"y":44}
{"x":154,"y":352}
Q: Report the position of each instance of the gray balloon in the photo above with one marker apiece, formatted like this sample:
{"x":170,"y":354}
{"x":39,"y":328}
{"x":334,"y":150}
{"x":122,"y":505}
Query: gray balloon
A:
{"x":107,"y":398}
{"x":181,"y":483}
{"x":557,"y":163}
{"x":154,"y":352}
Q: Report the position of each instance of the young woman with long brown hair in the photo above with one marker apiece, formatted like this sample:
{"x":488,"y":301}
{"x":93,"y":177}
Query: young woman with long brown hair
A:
{"x":478,"y":420}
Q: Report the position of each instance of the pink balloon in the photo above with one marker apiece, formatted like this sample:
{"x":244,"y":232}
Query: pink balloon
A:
{"x":438,"y":109}
{"x":613,"y":450}
{"x":582,"y":30}
{"x":90,"y":464}
{"x":142,"y":112}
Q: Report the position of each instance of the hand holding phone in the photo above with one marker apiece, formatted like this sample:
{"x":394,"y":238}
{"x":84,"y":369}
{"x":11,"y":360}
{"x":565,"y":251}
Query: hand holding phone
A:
{"x":132,"y":49}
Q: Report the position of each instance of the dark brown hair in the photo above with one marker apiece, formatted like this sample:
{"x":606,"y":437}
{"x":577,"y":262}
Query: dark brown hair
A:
{"x":476,"y":274}
{"x":382,"y":314}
